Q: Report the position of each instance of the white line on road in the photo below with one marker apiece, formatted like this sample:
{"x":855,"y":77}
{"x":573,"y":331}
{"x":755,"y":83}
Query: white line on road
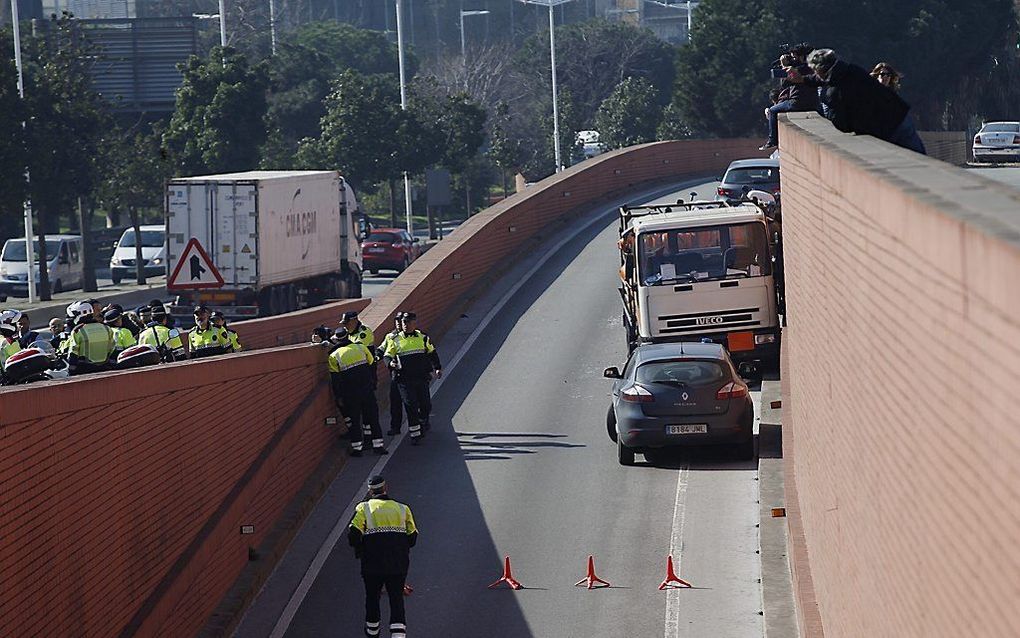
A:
{"x":676,"y":548}
{"x":283,"y":623}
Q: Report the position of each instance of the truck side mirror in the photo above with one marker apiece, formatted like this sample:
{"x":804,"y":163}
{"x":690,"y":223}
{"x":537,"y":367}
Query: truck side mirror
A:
{"x":611,"y":373}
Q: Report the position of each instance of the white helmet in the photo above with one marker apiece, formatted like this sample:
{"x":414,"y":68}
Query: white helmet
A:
{"x":79,"y":309}
{"x":9,"y":321}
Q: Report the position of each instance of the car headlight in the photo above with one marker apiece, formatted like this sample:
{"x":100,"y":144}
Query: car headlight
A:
{"x":157,"y":261}
{"x":114,"y":262}
{"x":760,"y":339}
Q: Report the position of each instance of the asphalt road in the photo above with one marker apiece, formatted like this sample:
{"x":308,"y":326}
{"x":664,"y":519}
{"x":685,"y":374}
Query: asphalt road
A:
{"x":519,"y":464}
{"x":1006,"y":174}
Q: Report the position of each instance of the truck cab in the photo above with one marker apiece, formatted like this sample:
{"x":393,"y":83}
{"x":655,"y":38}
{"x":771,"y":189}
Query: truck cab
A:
{"x":700,"y":271}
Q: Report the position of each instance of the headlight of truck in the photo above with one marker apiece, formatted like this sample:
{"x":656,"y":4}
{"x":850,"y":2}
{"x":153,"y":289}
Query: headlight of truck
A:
{"x":114,"y":262}
{"x":157,"y":261}
{"x":760,"y":339}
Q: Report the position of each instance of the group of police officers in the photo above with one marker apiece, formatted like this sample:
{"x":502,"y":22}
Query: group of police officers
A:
{"x":92,"y":337}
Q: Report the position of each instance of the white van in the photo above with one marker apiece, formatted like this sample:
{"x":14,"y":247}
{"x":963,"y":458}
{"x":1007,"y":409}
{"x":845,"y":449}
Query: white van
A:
{"x":122,"y":263}
{"x":66,"y":270}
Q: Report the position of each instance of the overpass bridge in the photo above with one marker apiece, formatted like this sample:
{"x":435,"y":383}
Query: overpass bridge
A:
{"x":207,"y":498}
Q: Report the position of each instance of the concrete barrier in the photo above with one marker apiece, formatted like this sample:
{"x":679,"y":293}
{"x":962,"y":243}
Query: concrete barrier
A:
{"x":126,"y":495}
{"x":903,"y":355}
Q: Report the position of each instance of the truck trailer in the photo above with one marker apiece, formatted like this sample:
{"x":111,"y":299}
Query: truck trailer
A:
{"x":262,"y":243}
{"x":701,"y":271}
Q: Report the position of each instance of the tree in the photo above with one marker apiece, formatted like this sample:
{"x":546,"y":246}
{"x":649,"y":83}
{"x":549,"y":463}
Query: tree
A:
{"x":504,"y":148}
{"x":219,"y":122}
{"x":672,"y":126}
{"x":65,"y":121}
{"x":629,"y":115}
{"x":12,"y":144}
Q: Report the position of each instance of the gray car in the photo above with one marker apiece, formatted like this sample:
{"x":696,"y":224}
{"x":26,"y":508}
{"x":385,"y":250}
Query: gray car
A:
{"x":679,"y":394}
{"x":750,"y":174}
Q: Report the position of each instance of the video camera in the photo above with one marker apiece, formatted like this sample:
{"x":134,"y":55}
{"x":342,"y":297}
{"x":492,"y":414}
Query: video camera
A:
{"x":790,"y":55}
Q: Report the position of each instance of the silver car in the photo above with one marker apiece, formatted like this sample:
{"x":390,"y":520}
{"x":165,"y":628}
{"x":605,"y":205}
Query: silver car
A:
{"x":997,"y":142}
{"x":679,"y":394}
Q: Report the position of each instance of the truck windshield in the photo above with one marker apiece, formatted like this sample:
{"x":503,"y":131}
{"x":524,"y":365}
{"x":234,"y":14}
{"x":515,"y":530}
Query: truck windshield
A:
{"x":704,"y":254}
{"x":15,"y":250}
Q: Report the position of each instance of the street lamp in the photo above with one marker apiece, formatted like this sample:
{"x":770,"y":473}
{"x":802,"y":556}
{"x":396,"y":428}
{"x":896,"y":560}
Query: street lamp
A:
{"x":29,"y":231}
{"x":215,"y":16}
{"x":463,"y":41}
{"x":408,"y":207}
{"x":552,"y":63}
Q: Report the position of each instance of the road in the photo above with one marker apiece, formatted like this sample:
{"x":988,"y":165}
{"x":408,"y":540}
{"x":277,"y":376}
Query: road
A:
{"x":519,"y":464}
{"x":1007,"y":174}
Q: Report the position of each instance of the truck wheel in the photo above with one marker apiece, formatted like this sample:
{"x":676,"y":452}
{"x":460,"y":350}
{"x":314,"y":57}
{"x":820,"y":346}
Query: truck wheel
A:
{"x":116,"y":280}
{"x":624,"y":454}
{"x":355,"y":286}
{"x":291,"y":298}
{"x":611,"y":424}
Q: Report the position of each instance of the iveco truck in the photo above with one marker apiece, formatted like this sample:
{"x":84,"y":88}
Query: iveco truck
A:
{"x":696,"y":271}
{"x":262,"y":242}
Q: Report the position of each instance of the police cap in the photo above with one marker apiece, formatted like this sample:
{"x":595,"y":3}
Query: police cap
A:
{"x":111,"y":314}
{"x":341,"y":334}
{"x":410,"y":316}
{"x":158,"y":312}
{"x":350,"y":314}
{"x":377,"y":484}
{"x":199,"y":309}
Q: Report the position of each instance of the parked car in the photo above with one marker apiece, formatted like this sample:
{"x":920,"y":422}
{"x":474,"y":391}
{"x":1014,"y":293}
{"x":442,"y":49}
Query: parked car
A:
{"x":753,"y":174}
{"x":389,"y":249}
{"x":64,"y":265}
{"x":122,"y":263}
{"x":679,"y":394}
{"x":998,"y":141}
{"x":589,"y":143}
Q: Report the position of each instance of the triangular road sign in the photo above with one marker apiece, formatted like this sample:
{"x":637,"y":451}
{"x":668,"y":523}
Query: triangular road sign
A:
{"x":194,"y":269}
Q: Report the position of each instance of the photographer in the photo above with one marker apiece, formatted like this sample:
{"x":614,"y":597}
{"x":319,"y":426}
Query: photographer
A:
{"x":798,"y":93}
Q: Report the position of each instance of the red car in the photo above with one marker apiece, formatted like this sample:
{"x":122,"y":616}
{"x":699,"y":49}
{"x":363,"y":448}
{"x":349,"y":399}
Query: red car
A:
{"x":389,"y":249}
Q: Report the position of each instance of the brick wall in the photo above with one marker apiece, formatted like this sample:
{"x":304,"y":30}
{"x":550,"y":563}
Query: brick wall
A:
{"x":903,"y":353}
{"x":949,"y":146}
{"x":123,"y":494}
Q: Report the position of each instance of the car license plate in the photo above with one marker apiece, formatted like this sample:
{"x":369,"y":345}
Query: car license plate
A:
{"x":376,"y":250}
{"x":687,"y":428}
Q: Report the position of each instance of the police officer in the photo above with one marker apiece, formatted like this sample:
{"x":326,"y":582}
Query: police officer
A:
{"x":8,"y":335}
{"x":353,"y":377}
{"x":164,"y":339}
{"x":205,"y":339}
{"x":358,"y":331}
{"x":414,"y":358}
{"x":382,"y":534}
{"x":113,"y":317}
{"x":218,"y":320}
{"x":396,"y":403}
{"x":91,"y":343}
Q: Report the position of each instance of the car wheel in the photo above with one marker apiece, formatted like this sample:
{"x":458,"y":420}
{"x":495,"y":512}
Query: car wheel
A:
{"x":745,"y":451}
{"x":611,"y":424}
{"x":407,"y":262}
{"x":624,"y":454}
{"x":116,"y":281}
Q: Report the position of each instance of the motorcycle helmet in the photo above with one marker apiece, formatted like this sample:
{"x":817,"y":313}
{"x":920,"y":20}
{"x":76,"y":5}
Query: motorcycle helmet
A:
{"x":79,"y":309}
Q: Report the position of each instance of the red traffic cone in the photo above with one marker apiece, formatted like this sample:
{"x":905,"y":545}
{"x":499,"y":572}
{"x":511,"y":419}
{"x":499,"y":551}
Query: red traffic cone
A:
{"x":591,"y":580}
{"x":408,"y":589}
{"x":507,"y":577}
{"x":672,"y":580}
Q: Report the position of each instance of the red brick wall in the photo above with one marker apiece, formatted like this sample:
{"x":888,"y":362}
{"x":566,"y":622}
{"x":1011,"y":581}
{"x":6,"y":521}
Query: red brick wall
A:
{"x":903,"y":359}
{"x":123,"y":494}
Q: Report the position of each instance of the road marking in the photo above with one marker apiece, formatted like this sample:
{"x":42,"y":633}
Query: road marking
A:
{"x":298,"y":597}
{"x":676,"y":548}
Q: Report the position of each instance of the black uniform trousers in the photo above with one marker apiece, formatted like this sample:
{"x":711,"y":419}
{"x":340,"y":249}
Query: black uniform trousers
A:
{"x":394,"y":584}
{"x":396,"y":406}
{"x":361,"y":411}
{"x":415,"y":394}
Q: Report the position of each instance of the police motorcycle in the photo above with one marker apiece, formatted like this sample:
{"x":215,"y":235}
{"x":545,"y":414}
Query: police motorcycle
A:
{"x":38,"y":362}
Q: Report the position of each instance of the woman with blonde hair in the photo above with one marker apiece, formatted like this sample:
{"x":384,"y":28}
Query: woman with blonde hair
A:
{"x":887,"y":76}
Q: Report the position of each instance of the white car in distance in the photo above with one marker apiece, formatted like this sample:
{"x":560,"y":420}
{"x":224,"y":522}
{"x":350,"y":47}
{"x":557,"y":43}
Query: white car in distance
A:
{"x":998,"y":142}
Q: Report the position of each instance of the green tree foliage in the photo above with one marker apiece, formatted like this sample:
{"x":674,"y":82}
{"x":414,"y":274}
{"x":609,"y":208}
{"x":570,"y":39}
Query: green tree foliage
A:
{"x":219,"y":123}
{"x":505,"y":150}
{"x":12,"y":144}
{"x":630,"y":115}
{"x":593,"y":57}
{"x":456,"y":124}
{"x":672,"y":126}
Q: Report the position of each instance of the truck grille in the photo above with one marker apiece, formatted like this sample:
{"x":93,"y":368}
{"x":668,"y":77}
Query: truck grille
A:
{"x":708,"y":321}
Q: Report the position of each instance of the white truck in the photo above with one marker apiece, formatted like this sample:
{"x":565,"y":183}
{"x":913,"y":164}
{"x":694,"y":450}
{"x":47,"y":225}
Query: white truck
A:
{"x":262,"y":243}
{"x":693,"y":271}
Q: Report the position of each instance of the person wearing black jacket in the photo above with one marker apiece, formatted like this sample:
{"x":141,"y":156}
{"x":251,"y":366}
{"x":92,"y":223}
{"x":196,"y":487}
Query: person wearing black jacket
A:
{"x":412,"y":357}
{"x":857,"y":103}
{"x":797,"y":95}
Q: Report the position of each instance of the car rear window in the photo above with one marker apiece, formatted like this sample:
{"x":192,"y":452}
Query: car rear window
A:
{"x":752,"y":175}
{"x":1001,"y":128}
{"x":382,"y":238}
{"x":686,"y":371}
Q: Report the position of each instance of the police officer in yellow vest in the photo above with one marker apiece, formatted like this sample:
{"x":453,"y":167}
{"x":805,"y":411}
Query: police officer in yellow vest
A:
{"x":220,"y":322}
{"x":164,"y":339}
{"x":352,"y":375}
{"x":359,"y":332}
{"x":396,"y":403}
{"x":205,"y":339}
{"x":113,"y":317}
{"x":92,"y":343}
{"x":413,"y":357}
{"x":8,"y":336}
{"x":382,"y":534}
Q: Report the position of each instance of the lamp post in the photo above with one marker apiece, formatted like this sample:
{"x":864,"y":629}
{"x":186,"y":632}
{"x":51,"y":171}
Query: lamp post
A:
{"x":29,"y":231}
{"x":552,"y":63}
{"x":463,"y":40}
{"x":408,"y":207}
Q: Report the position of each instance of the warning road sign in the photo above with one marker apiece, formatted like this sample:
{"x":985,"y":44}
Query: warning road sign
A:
{"x":194,"y":269}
